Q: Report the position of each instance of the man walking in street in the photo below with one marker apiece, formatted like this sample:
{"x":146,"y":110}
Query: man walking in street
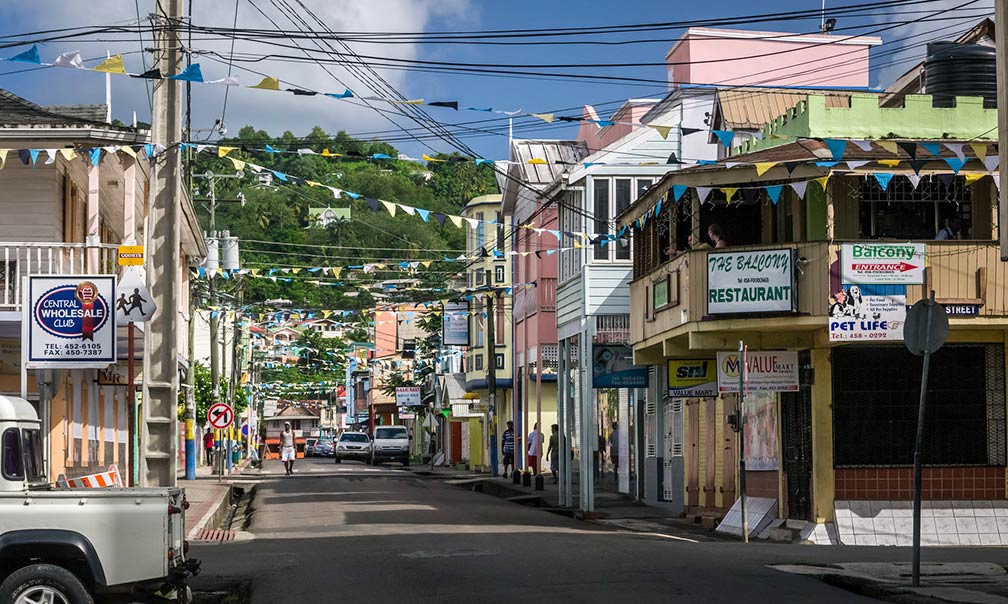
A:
{"x":507,"y":448}
{"x":534,"y":449}
{"x":287,"y":452}
{"x":553,"y":452}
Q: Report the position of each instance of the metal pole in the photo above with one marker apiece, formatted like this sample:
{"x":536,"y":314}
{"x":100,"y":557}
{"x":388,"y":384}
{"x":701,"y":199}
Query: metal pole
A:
{"x":191,"y":450}
{"x":161,"y":376}
{"x":919,"y":450}
{"x":131,"y":399}
{"x":740,"y":417}
{"x":1001,"y":30}
{"x":491,"y":332}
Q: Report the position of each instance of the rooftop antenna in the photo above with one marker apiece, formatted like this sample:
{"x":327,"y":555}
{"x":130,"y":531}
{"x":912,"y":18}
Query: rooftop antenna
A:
{"x":822,"y":22}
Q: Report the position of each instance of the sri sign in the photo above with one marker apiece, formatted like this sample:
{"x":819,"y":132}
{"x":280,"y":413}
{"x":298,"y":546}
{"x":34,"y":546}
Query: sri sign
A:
{"x":766,"y":371}
{"x":68,"y":321}
{"x":862,"y":313}
{"x":898,"y":263}
{"x":760,"y":281}
{"x":613,"y":367}
{"x":692,"y":378}
{"x":455,"y":325}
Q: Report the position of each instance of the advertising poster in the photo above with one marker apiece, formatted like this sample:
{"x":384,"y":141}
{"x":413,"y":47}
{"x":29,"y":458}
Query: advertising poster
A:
{"x":69,"y":321}
{"x":455,"y":325}
{"x":751,"y":282}
{"x":863,"y":313}
{"x":692,"y":378}
{"x":761,"y":431}
{"x":612,"y":367}
{"x":766,"y":371}
{"x":883,"y":263}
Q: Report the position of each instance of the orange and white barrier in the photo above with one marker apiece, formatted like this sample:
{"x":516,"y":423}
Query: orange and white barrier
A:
{"x":102,"y":480}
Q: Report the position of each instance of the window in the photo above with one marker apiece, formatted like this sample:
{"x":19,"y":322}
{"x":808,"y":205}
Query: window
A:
{"x":571,"y":220}
{"x":500,"y":361}
{"x":34,"y":468}
{"x":480,"y":234}
{"x":499,"y":241}
{"x":479,"y":362}
{"x":875,"y":416}
{"x":905,"y":212}
{"x":499,"y":274}
{"x":391,"y":433}
{"x":622,"y":186}
{"x":10,"y":450}
{"x":600,"y":196}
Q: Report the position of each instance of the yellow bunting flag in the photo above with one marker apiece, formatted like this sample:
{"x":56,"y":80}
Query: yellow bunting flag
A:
{"x":128,"y":151}
{"x":429,"y":158}
{"x":312,"y":183}
{"x":295,"y":270}
{"x":980,"y":150}
{"x":223,"y":151}
{"x":662,"y":130}
{"x":578,"y":245}
{"x":972,"y":178}
{"x":391,"y":207}
{"x":67,"y":154}
{"x":3,"y":157}
{"x":763,"y":166}
{"x":268,"y":83}
{"x":238,"y":164}
{"x":456,"y":220}
{"x":889,"y":163}
{"x":336,"y":270}
{"x":537,"y":161}
{"x":889,"y":146}
{"x":410,"y":102}
{"x":822,"y":180}
{"x":426,"y":263}
{"x":113,"y":64}
{"x":729,"y":192}
{"x":546,"y":117}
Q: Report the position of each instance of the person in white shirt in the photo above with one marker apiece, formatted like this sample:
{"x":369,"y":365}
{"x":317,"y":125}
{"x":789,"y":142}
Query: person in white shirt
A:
{"x":287,"y":452}
{"x":534,"y":449}
{"x":950,"y":231}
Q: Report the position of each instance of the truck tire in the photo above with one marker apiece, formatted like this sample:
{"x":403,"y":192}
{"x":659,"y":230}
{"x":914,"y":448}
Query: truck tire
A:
{"x":43,"y":583}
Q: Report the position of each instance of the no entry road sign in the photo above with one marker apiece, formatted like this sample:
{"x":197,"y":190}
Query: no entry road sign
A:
{"x":220,"y":415}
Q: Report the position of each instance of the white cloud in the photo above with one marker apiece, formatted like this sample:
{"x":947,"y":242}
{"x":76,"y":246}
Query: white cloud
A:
{"x":271,"y":111}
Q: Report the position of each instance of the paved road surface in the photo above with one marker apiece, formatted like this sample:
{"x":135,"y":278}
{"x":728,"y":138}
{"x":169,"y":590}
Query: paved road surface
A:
{"x":352,"y":533}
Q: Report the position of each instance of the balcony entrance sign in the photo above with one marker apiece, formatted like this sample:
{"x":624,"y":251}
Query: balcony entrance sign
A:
{"x":883,"y":263}
{"x":759,"y":281}
{"x":68,"y":321}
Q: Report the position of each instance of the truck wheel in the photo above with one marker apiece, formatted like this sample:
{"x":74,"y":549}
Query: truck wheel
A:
{"x":43,"y":583}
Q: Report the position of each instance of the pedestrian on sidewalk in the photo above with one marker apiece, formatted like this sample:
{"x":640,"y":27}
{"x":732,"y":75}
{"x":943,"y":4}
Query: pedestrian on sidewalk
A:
{"x":208,"y":445}
{"x":553,"y":453}
{"x":287,"y":452}
{"x":534,"y":448}
{"x":614,"y":449}
{"x":507,"y":448}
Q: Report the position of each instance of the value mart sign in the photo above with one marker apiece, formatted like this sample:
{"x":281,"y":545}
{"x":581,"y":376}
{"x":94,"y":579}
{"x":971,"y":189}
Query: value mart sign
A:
{"x":766,"y":371}
{"x":760,"y":281}
{"x":883,"y":263}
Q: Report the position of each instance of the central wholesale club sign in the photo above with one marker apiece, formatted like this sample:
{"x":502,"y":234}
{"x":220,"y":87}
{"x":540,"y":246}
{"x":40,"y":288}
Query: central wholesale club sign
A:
{"x":751,"y":282}
{"x":68,"y":321}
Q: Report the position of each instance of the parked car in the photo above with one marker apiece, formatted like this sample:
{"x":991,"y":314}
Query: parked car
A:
{"x":391,"y":443}
{"x":309,"y":448}
{"x":353,"y":445}
{"x":324,"y":448}
{"x":75,"y":546}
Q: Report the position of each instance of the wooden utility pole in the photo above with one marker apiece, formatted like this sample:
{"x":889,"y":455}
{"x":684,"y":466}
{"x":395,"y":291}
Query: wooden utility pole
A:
{"x":161,"y":377}
{"x":492,"y":373}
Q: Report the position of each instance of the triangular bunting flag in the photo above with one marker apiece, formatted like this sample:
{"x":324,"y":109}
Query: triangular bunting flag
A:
{"x":862,"y":144}
{"x":546,"y":117}
{"x":69,"y":59}
{"x":456,"y":220}
{"x":791,"y":166}
{"x":702,"y":193}
{"x":883,"y":179}
{"x":424,"y":214}
{"x":662,"y":130}
{"x":450,"y":104}
{"x":972,"y":178}
{"x":29,"y":56}
{"x":956,"y":148}
{"x":773,"y":192}
{"x":955,"y":163}
{"x":729,"y":192}
{"x":889,"y":163}
{"x":933,"y":148}
{"x":192,"y":73}
{"x":799,"y":188}
{"x":726,"y":137}
{"x":992,"y":163}
{"x":223,"y":151}
{"x":909,"y":147}
{"x":979,"y":150}
{"x":678,"y":191}
{"x":268,"y":83}
{"x":113,"y":64}
{"x":889,"y":146}
{"x":823,"y":180}
{"x":917,"y":165}
{"x":854,"y":164}
{"x":914,"y":180}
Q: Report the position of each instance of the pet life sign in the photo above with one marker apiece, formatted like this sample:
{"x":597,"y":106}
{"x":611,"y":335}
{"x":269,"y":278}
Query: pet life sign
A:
{"x":880,"y":263}
{"x":68,"y":321}
{"x":867,"y":313}
{"x":751,"y":282}
{"x":766,"y":371}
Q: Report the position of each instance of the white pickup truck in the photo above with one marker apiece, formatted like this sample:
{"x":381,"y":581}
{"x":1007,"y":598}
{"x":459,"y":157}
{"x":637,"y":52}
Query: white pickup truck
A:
{"x":63,"y":546}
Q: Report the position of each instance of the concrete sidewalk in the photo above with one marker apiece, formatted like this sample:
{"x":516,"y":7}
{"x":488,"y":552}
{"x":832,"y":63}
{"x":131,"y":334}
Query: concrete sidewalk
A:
{"x":208,"y":497}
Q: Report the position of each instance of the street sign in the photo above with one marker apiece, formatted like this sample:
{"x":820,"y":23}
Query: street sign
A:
{"x":220,"y":415}
{"x":135,"y":304}
{"x":407,"y":396}
{"x":131,"y":255}
{"x":915,"y":332}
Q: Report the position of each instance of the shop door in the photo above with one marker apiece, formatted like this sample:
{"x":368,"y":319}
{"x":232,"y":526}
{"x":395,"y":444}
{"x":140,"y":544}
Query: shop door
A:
{"x":455,"y":438}
{"x":796,"y":444}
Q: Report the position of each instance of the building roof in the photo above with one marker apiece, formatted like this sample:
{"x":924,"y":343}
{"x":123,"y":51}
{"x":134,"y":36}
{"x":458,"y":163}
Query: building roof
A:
{"x":493,"y":199}
{"x":16,"y":111}
{"x":90,"y":113}
{"x":751,"y":108}
{"x":557,"y":154}
{"x":295,"y":412}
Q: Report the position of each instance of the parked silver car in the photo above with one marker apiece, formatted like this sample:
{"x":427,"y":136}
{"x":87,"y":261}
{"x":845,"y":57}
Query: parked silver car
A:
{"x":324,"y":448}
{"x":353,"y":445}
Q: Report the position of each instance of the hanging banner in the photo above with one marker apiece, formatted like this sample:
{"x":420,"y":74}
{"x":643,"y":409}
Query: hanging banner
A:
{"x":692,"y":378}
{"x":760,"y":281}
{"x":766,"y":371}
{"x":613,"y":367}
{"x":761,"y":431}
{"x":868,"y":263}
{"x":867,"y":313}
{"x":69,"y":322}
{"x":455,"y":325}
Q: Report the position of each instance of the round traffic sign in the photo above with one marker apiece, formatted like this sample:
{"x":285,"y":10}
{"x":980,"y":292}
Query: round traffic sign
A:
{"x":921,"y":334}
{"x":220,"y":415}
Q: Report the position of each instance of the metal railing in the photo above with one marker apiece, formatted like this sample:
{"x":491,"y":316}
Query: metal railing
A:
{"x":20,"y":259}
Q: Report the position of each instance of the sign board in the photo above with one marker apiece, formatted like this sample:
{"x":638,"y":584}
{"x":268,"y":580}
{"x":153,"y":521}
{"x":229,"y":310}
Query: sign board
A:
{"x":269,"y":408}
{"x":862,"y":313}
{"x":135,"y":304}
{"x":69,"y":322}
{"x":926,"y":329}
{"x":692,"y":378}
{"x":455,"y":325}
{"x":131,"y":255}
{"x":220,"y":415}
{"x":897,"y":263}
{"x":962,"y":310}
{"x":407,"y":396}
{"x":404,"y":414}
{"x":766,"y":371}
{"x":612,"y":367}
{"x":761,"y":281}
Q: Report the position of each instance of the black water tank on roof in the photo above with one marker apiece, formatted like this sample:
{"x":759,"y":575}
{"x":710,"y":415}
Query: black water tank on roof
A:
{"x":953,"y":70}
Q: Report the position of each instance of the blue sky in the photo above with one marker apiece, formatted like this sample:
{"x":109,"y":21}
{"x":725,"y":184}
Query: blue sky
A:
{"x":278,"y":112}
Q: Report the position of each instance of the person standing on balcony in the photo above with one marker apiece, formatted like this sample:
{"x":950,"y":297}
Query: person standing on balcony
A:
{"x":717,"y":235}
{"x":950,"y":230}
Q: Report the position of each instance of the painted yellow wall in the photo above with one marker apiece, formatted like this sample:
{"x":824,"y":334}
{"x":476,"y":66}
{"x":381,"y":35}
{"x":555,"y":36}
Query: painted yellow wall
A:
{"x":822,"y":437}
{"x":476,"y":443}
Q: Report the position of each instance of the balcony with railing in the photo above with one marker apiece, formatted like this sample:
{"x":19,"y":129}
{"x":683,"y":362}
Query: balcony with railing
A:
{"x":20,"y":259}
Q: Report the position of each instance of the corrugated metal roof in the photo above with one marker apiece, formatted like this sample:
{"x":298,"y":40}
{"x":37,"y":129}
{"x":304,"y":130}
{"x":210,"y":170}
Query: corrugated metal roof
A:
{"x":558,"y":155}
{"x":463,"y":410}
{"x":750,"y":109}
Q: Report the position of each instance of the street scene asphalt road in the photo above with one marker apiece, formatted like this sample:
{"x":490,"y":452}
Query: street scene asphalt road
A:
{"x":355,"y":533}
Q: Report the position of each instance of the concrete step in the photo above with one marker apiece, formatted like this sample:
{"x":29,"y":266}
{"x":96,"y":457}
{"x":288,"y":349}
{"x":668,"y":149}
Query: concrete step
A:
{"x":783,"y":534}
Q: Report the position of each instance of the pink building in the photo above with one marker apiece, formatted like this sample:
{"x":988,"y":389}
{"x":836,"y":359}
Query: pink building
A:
{"x":739,"y":57}
{"x":599,"y":134}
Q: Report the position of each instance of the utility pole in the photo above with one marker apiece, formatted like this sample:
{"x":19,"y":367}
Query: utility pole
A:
{"x":1001,"y":29}
{"x":740,"y":419}
{"x":492,"y":373}
{"x":161,"y":378}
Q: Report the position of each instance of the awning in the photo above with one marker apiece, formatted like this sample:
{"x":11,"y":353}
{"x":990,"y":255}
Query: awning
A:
{"x":462,"y":410}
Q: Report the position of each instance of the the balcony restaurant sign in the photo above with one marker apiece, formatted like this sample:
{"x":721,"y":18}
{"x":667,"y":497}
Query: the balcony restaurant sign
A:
{"x":883,"y":263}
{"x":760,"y":281}
{"x":69,"y":322}
{"x":692,"y":378}
{"x":766,"y":371}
